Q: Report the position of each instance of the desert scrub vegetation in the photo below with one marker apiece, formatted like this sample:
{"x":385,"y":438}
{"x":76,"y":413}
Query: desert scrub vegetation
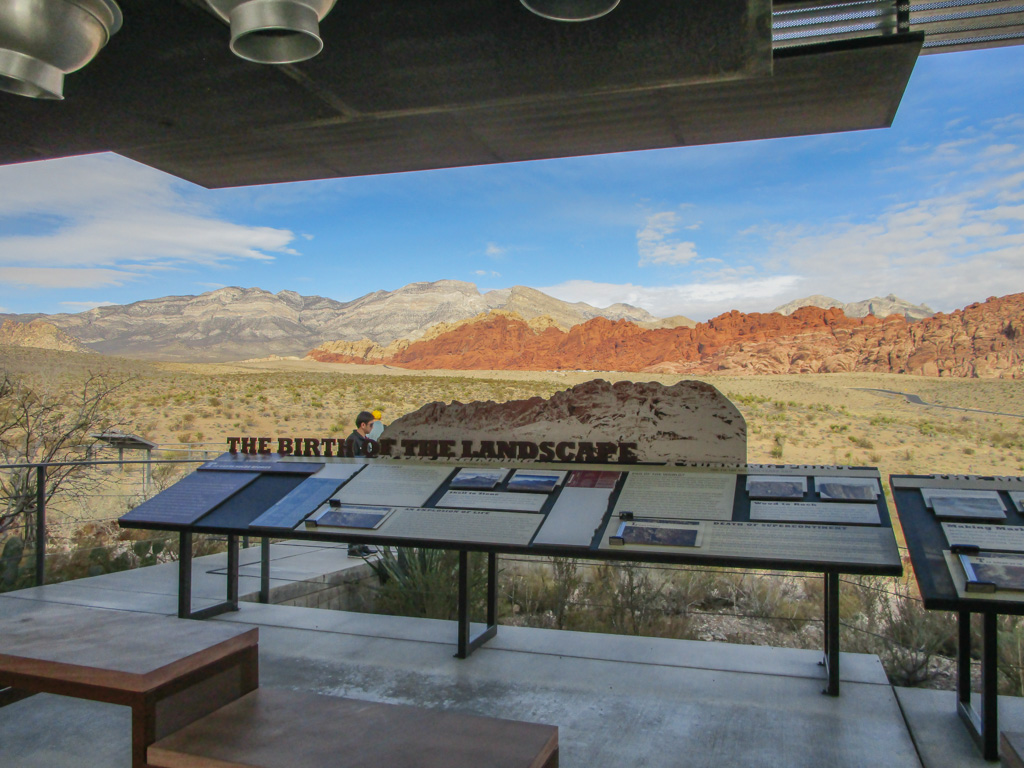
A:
{"x":813,"y":419}
{"x":878,"y":615}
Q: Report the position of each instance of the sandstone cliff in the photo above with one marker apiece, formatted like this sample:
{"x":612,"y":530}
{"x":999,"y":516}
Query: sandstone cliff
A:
{"x":982,"y":340}
{"x":39,"y":334}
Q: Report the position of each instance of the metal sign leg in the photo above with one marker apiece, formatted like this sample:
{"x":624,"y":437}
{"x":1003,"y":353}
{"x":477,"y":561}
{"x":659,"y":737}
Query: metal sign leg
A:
{"x":467,"y":643}
{"x":831,"y":633}
{"x":185,"y":580}
{"x":982,"y":723}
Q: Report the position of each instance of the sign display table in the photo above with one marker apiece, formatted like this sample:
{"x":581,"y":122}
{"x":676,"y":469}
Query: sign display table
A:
{"x":966,"y":540}
{"x":170,"y":672}
{"x":826,"y":520}
{"x":818,"y":519}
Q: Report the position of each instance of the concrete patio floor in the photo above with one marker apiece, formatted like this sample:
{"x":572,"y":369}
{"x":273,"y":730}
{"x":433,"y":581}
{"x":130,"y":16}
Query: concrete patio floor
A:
{"x":617,"y":700}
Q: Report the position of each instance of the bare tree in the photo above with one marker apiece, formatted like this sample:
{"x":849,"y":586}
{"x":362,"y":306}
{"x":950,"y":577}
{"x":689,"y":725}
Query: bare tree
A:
{"x":38,"y":426}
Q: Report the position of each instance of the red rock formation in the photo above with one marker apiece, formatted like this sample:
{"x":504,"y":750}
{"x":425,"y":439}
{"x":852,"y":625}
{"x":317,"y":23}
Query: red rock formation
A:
{"x":983,"y":340}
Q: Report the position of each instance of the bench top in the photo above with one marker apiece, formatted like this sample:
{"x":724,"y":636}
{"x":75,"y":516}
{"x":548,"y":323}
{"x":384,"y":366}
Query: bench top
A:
{"x":277,"y":728}
{"x":121,"y":650}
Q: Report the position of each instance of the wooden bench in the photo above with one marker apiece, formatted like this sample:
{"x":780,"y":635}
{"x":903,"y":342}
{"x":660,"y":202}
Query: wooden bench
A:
{"x":169,"y":671}
{"x":276,"y":728}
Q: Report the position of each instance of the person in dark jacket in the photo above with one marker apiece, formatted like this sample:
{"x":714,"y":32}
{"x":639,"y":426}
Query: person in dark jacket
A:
{"x":356,"y":442}
{"x":356,"y":446}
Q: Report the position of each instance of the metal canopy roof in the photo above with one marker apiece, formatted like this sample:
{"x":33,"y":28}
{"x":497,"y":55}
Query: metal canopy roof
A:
{"x":948,"y":25}
{"x":409,"y":85}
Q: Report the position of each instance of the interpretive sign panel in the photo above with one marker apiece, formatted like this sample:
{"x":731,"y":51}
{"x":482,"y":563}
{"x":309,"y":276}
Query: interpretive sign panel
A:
{"x":574,"y":519}
{"x":842,"y":488}
{"x":664,"y":534}
{"x":475,"y":526}
{"x":536,"y":480}
{"x":362,"y":516}
{"x":805,"y":542}
{"x":814,"y":512}
{"x":301,"y":502}
{"x":952,"y":503}
{"x":190,"y":498}
{"x":397,"y":485}
{"x":776,"y":487}
{"x":677,"y":495}
{"x":1002,"y":538}
{"x":801,"y":542}
{"x":1010,"y":573}
{"x":513,"y":502}
{"x":1018,"y":499}
{"x":478,"y":478}
{"x":240,"y":462}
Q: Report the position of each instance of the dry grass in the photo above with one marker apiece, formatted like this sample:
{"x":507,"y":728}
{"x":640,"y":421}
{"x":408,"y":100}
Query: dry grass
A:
{"x":809,"y":419}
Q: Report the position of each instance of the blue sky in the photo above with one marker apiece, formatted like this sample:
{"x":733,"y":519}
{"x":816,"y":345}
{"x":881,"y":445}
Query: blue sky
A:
{"x":931,"y":210}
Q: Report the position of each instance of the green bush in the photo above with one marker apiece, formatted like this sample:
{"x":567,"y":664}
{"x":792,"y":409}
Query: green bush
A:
{"x":415,"y":581}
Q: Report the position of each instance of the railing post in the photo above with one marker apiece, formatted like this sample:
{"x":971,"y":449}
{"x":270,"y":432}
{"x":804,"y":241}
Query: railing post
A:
{"x":40,"y":524}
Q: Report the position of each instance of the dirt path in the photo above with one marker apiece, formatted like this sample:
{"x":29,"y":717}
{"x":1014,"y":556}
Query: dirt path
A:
{"x":916,"y":400}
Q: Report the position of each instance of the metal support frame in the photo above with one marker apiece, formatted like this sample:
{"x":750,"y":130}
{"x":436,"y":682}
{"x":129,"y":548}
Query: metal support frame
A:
{"x":264,"y":569}
{"x":831,"y":632}
{"x":40,"y":525}
{"x":982,"y":724}
{"x":468,"y":644}
{"x":902,"y":16}
{"x":185,"y":580}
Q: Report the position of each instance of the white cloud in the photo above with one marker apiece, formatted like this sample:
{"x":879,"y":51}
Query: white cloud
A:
{"x":656,"y":247}
{"x":486,"y":273}
{"x":946,"y":251}
{"x":106,"y":221}
{"x":494,"y":251}
{"x":48,"y":277}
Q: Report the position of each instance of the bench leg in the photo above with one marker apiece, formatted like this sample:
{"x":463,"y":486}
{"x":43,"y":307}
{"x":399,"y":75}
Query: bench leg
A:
{"x":143,"y":732}
{"x":163,"y":711}
{"x":10,"y":695}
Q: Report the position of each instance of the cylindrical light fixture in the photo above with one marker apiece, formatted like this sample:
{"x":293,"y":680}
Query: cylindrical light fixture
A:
{"x":43,"y":40}
{"x":571,"y":10}
{"x":274,"y":31}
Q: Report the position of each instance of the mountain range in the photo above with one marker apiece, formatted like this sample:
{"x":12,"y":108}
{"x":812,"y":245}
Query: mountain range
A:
{"x":244,"y":323}
{"x":238,"y":323}
{"x":878,"y":306}
{"x":985,"y":339}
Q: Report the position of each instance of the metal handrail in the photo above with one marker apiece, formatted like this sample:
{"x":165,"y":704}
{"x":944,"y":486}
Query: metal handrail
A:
{"x":41,"y":467}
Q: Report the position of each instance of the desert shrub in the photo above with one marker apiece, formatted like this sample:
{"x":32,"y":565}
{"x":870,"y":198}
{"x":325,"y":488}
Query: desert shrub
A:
{"x":421,"y":582}
{"x":628,"y":599}
{"x":1011,"y":655}
{"x":776,"y":597}
{"x":546,"y":597}
{"x":894,"y":625}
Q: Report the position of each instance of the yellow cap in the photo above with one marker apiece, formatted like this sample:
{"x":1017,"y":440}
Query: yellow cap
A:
{"x":377,"y":414}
